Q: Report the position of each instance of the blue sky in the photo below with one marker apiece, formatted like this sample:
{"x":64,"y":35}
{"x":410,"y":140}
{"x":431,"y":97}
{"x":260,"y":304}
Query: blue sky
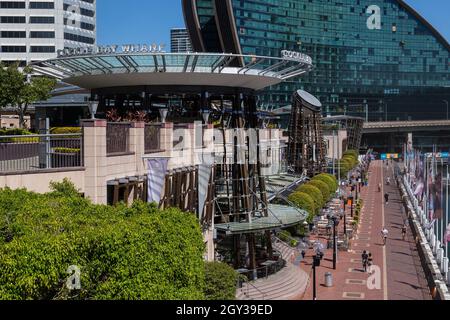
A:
{"x":148,"y":21}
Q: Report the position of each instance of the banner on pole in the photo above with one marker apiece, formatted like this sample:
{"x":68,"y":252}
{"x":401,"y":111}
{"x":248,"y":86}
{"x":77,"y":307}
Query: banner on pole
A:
{"x":157,"y":169}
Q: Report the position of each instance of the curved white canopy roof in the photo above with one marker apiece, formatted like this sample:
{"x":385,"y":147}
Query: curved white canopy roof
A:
{"x":197,"y":69}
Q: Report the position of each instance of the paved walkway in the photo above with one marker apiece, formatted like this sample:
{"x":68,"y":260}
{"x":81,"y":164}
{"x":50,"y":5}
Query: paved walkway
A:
{"x":397,"y":271}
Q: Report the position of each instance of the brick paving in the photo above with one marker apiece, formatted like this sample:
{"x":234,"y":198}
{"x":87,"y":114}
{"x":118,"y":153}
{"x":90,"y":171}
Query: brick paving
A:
{"x":400,"y":274}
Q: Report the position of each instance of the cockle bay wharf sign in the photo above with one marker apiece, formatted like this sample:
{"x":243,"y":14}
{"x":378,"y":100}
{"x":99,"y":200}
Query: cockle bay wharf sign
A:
{"x":112,"y":49}
{"x":155,"y":48}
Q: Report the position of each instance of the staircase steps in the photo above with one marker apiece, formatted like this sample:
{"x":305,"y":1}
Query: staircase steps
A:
{"x":289,"y":283}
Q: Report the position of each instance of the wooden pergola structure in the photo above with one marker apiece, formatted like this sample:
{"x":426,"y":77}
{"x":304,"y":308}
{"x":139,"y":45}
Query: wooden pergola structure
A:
{"x":306,"y":152}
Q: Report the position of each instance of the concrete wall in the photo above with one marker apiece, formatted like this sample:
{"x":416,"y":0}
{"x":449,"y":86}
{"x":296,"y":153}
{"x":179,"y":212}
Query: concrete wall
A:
{"x":335,"y":144}
{"x":39,"y":181}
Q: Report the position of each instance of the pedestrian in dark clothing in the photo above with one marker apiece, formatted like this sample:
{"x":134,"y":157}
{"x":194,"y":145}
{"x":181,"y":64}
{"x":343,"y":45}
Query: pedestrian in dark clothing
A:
{"x":365,"y":260}
{"x":370,"y":262}
{"x":386,"y":198}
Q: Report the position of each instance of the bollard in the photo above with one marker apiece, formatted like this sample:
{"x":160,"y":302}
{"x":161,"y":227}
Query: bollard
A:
{"x":328,"y":280}
{"x":439,"y":255}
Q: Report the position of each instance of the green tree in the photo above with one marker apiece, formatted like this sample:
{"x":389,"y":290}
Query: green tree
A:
{"x":323,"y":187}
{"x":20,"y":88}
{"x":329,"y":179}
{"x":220,"y":281}
{"x":305,"y":202}
{"x":314,"y":193}
{"x":123,"y":253}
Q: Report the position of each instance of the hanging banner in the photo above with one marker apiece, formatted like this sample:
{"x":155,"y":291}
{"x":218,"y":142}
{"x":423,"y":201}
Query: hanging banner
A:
{"x":157,"y":169}
{"x":447,"y":235}
{"x":204,"y":176}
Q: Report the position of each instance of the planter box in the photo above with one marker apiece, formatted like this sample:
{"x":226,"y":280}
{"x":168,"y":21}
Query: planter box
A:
{"x":65,"y":160}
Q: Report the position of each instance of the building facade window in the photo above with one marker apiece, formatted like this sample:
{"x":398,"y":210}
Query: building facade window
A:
{"x":15,"y":49}
{"x":42,"y":20}
{"x":42,"y":34}
{"x":12,"y":5}
{"x":42,"y":5}
{"x":42,"y":49}
{"x":12,"y":19}
{"x":13,"y":34}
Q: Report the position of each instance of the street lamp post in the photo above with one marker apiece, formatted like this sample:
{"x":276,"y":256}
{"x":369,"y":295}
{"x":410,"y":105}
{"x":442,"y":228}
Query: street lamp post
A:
{"x":93,"y":105}
{"x":316,"y":263}
{"x":345,"y":221}
{"x":334,"y":242}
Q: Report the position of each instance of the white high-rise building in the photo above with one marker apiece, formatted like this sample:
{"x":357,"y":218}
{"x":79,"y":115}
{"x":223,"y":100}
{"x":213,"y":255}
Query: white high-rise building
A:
{"x":180,"y":41}
{"x":34,"y":30}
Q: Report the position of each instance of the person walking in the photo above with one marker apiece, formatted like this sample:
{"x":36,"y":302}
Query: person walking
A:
{"x":384,"y":235}
{"x":365,"y":260}
{"x":404,"y":230}
{"x":386,"y":198}
{"x":370,"y":262}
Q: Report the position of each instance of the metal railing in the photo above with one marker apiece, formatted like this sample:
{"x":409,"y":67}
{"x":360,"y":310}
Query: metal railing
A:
{"x":265,"y":271}
{"x":152,"y":137}
{"x":117,"y":138}
{"x":38,"y":152}
{"x":246,"y":292}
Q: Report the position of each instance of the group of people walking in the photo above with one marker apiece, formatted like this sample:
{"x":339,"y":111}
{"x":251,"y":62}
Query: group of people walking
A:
{"x":367,"y":260}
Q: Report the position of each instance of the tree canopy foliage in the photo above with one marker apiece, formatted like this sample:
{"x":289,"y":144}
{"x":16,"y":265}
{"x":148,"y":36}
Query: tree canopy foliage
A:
{"x":137,"y":252}
{"x":19,"y":89}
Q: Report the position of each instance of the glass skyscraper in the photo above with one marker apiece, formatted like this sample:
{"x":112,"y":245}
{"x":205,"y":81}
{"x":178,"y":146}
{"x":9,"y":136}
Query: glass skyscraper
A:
{"x":377,"y":59}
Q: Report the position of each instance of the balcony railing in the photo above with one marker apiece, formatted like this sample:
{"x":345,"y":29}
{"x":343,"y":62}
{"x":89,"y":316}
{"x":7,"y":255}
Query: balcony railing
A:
{"x":117,"y":138}
{"x":39,"y":152}
{"x":152,"y":137}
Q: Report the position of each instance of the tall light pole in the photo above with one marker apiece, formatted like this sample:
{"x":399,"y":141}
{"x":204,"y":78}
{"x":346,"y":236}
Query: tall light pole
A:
{"x":334,"y":219}
{"x":446,"y":102}
{"x":367,"y":110}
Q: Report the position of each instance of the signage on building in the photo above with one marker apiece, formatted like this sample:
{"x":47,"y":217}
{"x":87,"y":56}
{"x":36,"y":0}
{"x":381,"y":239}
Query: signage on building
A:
{"x":296,"y":56}
{"x":112,"y":49}
{"x":438,"y":155}
{"x":385,"y":156}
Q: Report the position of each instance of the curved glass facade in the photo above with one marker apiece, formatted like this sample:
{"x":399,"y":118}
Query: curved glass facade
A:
{"x":377,"y":59}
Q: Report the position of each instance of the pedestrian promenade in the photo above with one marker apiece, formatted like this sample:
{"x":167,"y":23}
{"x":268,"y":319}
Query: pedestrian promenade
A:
{"x":397,"y":273}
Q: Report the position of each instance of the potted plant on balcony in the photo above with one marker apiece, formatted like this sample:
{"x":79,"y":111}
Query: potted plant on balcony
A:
{"x":65,"y":157}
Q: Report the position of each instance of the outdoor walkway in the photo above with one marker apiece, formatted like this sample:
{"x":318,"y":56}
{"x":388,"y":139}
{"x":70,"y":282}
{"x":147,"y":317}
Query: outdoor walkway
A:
{"x":397,"y":271}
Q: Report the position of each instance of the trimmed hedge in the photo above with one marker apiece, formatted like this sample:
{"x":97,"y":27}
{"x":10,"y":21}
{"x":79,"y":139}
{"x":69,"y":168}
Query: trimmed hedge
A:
{"x":329,"y":179}
{"x":220,"y":281}
{"x":323,"y":187}
{"x":305,"y":202}
{"x":63,"y":130}
{"x":124,"y":253}
{"x":14,"y":132}
{"x":315,"y":194}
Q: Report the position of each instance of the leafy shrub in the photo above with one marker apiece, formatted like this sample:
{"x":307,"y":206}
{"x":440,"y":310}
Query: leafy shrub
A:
{"x":284,"y":235}
{"x":64,"y":188}
{"x":303,"y":201}
{"x":329,"y":179}
{"x":220,"y":281}
{"x":17,"y":132}
{"x":136,"y":252}
{"x":315,"y":194}
{"x":66,"y":150}
{"x":63,"y":130}
{"x":323,"y":187}
{"x":14,"y":132}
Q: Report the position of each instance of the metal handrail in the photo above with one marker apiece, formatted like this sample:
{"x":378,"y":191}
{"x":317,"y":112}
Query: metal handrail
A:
{"x":248,"y":283}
